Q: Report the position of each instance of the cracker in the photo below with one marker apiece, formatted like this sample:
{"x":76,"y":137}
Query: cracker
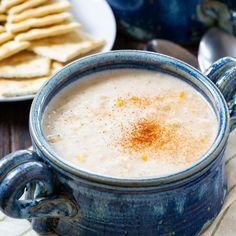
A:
{"x":3,"y":17}
{"x":4,"y":37}
{"x":21,"y":87}
{"x":40,"y":12}
{"x":47,"y":32}
{"x":2,"y":29}
{"x":10,"y":48}
{"x":25,"y":65}
{"x":65,"y":48}
{"x":2,"y":9}
{"x":14,"y":88}
{"x":38,"y":22}
{"x":25,"y":5}
{"x":56,"y":66}
{"x":7,"y":4}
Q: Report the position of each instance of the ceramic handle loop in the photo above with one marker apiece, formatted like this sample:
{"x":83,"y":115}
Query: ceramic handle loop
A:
{"x":223,"y":73}
{"x":19,"y":169}
{"x":215,"y":13}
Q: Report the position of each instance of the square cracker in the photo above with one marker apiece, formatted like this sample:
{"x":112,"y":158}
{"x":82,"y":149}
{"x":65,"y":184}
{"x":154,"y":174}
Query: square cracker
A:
{"x":38,"y":22}
{"x":2,"y":29}
{"x":14,"y":88}
{"x":7,"y":4}
{"x":2,"y":9}
{"x":25,"y":5}
{"x":66,"y":47}
{"x":4,"y":37}
{"x":3,"y":17}
{"x":47,"y":32}
{"x":12,"y":47}
{"x":25,"y":65}
{"x":40,"y":11}
{"x":22,"y":87}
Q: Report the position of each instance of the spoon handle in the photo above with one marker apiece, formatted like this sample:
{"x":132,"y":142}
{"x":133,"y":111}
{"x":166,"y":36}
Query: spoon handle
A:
{"x":223,"y":73}
{"x":172,"y":49}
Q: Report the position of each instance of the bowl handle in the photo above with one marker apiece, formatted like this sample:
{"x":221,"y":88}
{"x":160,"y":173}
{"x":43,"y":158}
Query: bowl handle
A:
{"x":223,"y":73}
{"x":18,"y":171}
{"x":216,"y":13}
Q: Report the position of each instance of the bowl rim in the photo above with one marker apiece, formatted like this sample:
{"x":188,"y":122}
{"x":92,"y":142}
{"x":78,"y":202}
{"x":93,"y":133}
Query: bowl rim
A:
{"x":98,"y":59}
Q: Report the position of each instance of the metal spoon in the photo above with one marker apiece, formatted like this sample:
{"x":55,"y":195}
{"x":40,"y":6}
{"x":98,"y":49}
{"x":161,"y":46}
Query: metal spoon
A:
{"x":214,"y":45}
{"x":172,"y":49}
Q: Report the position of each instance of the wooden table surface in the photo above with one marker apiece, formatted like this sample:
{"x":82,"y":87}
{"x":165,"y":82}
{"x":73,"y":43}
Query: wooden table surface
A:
{"x":14,"y":131}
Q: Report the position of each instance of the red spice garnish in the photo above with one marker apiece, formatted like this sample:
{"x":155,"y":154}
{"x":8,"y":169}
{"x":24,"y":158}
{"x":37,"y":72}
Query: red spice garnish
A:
{"x":145,"y":134}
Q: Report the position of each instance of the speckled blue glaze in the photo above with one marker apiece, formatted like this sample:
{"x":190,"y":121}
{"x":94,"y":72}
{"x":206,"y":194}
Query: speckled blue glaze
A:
{"x":183,"y":21}
{"x":69,"y":201}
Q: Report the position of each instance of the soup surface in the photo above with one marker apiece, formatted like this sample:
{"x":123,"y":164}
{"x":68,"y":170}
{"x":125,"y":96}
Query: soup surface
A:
{"x":130,"y":123}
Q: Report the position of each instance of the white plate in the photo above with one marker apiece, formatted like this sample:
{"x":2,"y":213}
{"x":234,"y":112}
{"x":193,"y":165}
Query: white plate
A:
{"x":96,"y":18}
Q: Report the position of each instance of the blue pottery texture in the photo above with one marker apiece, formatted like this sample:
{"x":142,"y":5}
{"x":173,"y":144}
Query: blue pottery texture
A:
{"x":181,"y":208}
{"x":178,"y":20}
{"x":64,"y":199}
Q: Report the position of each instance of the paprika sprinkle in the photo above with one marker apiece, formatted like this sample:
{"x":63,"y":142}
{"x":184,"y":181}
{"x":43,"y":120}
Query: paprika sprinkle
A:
{"x":147,"y":134}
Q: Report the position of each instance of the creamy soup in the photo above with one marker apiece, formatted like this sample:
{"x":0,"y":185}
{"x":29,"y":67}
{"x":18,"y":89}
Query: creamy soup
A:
{"x":130,"y":123}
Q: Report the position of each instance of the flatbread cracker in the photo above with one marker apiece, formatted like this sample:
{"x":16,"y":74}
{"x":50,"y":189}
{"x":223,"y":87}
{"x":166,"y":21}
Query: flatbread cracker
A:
{"x":40,"y":12}
{"x":5,"y":37}
{"x":10,"y":48}
{"x":2,"y":9}
{"x":38,"y":22}
{"x":7,"y":4}
{"x":15,"y":88}
{"x":2,"y":29}
{"x":25,"y":65}
{"x":25,"y":5}
{"x":21,"y":87}
{"x":55,"y":67}
{"x":47,"y":32}
{"x":3,"y":17}
{"x":65,"y":48}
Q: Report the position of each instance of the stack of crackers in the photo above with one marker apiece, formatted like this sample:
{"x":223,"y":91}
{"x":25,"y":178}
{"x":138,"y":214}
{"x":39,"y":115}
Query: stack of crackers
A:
{"x":37,"y":37}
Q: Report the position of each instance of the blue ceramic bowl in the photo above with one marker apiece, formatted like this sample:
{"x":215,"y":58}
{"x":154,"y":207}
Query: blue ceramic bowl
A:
{"x":182,"y":21}
{"x":65,"y":199}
